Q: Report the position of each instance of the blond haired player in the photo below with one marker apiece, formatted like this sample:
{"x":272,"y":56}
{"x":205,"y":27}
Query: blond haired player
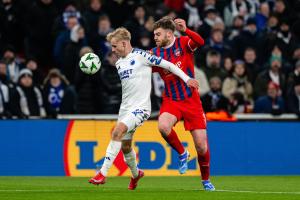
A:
{"x":135,"y":69}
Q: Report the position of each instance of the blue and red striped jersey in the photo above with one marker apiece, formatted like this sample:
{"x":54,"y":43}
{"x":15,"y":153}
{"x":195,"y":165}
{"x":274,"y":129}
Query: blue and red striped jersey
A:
{"x":180,"y":54}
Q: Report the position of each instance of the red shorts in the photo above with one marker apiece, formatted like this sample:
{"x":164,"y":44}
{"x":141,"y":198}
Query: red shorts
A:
{"x":190,"y":110}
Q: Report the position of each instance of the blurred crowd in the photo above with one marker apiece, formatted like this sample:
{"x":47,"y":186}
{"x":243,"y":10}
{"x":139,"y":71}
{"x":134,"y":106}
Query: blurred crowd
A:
{"x":250,"y":62}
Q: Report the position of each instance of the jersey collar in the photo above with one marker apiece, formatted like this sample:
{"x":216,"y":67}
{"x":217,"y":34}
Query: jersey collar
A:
{"x":170,"y":45}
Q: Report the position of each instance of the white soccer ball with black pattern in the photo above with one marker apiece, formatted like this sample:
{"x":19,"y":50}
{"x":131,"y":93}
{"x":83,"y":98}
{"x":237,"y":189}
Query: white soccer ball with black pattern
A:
{"x":90,"y":63}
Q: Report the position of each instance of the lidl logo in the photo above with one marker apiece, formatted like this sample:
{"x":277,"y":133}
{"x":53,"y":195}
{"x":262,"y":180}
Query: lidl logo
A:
{"x":86,"y":142}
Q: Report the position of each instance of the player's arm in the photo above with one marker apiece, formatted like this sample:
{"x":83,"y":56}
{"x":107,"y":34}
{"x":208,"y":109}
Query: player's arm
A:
{"x":195,"y":39}
{"x":178,"y":72}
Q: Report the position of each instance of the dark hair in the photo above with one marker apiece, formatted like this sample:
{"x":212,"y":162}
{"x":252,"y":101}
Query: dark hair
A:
{"x":213,"y":53}
{"x":250,"y":49}
{"x":165,"y":23}
{"x":103,"y":17}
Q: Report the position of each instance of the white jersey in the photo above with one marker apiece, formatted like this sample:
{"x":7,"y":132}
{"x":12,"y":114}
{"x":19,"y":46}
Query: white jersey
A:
{"x":135,"y":74}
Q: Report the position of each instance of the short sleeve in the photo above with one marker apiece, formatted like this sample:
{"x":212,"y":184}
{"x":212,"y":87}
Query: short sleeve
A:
{"x":152,"y":60}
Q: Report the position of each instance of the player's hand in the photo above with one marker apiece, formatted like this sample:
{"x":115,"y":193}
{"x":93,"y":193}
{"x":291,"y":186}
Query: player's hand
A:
{"x":192,"y":83}
{"x":180,"y":25}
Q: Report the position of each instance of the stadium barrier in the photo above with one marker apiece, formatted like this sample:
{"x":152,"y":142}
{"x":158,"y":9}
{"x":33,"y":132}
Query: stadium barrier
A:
{"x":76,"y":147}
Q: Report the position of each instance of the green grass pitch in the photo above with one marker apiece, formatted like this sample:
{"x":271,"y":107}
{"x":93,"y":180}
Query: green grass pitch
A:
{"x":156,"y":188}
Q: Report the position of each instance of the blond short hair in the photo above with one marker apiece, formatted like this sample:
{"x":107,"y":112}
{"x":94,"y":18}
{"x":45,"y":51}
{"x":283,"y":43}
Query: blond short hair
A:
{"x":120,"y":34}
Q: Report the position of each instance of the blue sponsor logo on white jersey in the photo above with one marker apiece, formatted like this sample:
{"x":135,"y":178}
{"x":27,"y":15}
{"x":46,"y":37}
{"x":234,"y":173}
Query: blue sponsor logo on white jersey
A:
{"x":125,"y":74}
{"x":152,"y":58}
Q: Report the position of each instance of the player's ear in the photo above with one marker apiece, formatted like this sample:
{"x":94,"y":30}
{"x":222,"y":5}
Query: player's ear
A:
{"x":169,"y":34}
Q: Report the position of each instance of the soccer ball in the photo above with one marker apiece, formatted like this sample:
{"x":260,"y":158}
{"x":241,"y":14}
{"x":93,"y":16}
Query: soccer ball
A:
{"x":89,"y":63}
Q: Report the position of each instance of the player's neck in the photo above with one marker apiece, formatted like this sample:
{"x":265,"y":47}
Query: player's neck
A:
{"x":127,"y":51}
{"x":172,"y":41}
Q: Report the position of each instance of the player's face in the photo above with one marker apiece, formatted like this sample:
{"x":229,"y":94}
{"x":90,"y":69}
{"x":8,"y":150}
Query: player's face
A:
{"x":118,"y":47}
{"x":162,"y":37}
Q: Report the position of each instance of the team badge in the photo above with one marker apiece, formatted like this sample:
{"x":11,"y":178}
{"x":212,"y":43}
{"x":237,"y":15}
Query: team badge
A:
{"x":132,"y":62}
{"x":177,"y":52}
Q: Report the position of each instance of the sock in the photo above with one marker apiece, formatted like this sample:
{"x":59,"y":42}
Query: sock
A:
{"x":112,"y":151}
{"x":203,"y":161}
{"x":174,"y":142}
{"x":130,"y":159}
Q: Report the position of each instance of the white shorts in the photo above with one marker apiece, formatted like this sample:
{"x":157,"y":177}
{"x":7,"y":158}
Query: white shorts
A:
{"x":133,"y":119}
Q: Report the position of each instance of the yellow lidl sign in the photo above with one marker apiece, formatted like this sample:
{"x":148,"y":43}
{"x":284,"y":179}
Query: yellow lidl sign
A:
{"x":86,"y":142}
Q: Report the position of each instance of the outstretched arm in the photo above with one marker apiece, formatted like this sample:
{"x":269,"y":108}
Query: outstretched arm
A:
{"x":195,"y":39}
{"x":177,"y":71}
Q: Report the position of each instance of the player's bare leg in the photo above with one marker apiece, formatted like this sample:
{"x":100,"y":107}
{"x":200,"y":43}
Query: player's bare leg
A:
{"x":112,"y":151}
{"x":201,"y":145}
{"x":166,"y":122}
{"x":130,"y":159}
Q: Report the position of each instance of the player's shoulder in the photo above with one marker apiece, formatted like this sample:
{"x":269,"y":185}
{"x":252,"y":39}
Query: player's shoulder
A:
{"x":183,"y":39}
{"x":142,"y":54}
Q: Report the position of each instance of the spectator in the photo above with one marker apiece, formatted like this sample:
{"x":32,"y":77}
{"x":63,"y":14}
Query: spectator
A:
{"x":92,"y":14}
{"x":88,"y":88}
{"x":228,"y":65}
{"x":149,"y":24}
{"x":145,"y":40}
{"x":62,"y":23}
{"x":285,"y":40}
{"x":10,"y":32}
{"x":202,"y":79}
{"x":296,"y":54}
{"x":136,"y":24}
{"x":4,"y":101}
{"x":39,"y":21}
{"x":244,"y":8}
{"x":280,"y":9}
{"x":293,"y":102}
{"x":252,"y":68}
{"x":13,"y":66}
{"x":238,"y":83}
{"x":247,"y":38}
{"x":32,"y":65}
{"x":272,"y":74}
{"x":269,"y":35}
{"x":98,"y":40}
{"x":216,"y":42}
{"x":175,"y":5}
{"x":262,"y":16}
{"x":191,"y":9}
{"x":59,"y":96}
{"x":293,"y":76}
{"x":272,"y":102}
{"x":62,"y":40}
{"x":211,"y":18}
{"x":214,"y":100}
{"x":235,"y":29}
{"x":27,"y":99}
{"x":111,"y":95}
{"x":71,"y":52}
{"x":205,"y":4}
{"x":213,"y":65}
{"x":237,"y":103}
{"x":119,"y":11}
{"x":4,"y":76}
